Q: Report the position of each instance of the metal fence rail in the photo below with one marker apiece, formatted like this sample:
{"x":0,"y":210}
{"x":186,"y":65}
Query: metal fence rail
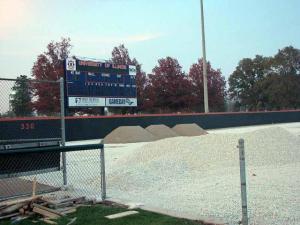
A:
{"x":85,"y":169}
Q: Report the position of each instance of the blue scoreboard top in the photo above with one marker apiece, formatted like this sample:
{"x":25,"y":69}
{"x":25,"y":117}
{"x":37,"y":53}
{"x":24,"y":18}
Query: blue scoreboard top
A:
{"x":92,"y":83}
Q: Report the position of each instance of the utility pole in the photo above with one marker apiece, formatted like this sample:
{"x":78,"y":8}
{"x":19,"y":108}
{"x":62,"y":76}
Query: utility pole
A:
{"x":206,"y":109}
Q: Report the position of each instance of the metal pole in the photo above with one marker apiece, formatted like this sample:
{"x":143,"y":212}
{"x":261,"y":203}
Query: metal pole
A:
{"x":206,"y":109}
{"x":243,"y":182}
{"x":63,"y":128}
{"x":103,"y":181}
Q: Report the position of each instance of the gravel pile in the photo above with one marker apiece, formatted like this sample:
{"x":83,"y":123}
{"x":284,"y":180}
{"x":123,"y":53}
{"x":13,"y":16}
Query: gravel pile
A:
{"x":129,"y":134}
{"x":161,"y":131}
{"x":188,"y":130}
{"x":198,"y":177}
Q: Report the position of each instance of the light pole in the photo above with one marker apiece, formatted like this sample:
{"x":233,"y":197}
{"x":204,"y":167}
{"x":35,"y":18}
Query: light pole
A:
{"x":206,"y":109}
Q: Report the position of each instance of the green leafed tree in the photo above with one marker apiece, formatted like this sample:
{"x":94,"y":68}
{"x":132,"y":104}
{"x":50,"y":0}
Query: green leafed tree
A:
{"x":280,"y":92}
{"x":267,"y":82}
{"x":287,"y":61}
{"x":20,"y":100}
{"x":243,"y":82}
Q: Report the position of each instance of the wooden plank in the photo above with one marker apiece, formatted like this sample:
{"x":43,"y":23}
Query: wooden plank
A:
{"x":72,"y":221}
{"x":66,"y":200}
{"x":19,"y":200}
{"x":75,"y":200}
{"x":60,"y":205}
{"x":48,"y":221}
{"x":47,"y":209}
{"x":122,"y":214}
{"x":34,"y":187}
{"x":11,"y":208}
{"x":8,"y":216}
{"x":72,"y":210}
{"x":45,"y":213}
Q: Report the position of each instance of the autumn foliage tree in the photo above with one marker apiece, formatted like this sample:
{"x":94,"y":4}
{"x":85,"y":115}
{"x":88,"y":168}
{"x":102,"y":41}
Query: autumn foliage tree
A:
{"x":49,"y":66}
{"x":169,"y":88}
{"x":215,"y":87}
{"x":120,"y":55}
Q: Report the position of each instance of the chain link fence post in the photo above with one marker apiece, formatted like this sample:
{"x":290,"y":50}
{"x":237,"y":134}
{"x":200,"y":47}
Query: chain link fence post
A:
{"x":63,"y":129}
{"x":103,"y":181}
{"x":243,"y":182}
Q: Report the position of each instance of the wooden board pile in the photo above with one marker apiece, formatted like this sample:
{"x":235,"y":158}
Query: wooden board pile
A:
{"x":39,"y":206}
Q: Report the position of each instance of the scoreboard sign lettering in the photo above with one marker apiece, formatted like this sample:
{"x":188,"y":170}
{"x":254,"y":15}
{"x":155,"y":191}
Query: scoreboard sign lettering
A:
{"x":91,"y":83}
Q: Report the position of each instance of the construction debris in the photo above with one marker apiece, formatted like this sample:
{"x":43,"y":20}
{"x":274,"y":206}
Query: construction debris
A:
{"x":48,"y":209}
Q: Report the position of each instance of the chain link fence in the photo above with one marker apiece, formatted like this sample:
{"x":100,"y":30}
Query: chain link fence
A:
{"x":30,"y":99}
{"x":40,"y":170}
{"x":27,"y":164}
{"x":23,"y":97}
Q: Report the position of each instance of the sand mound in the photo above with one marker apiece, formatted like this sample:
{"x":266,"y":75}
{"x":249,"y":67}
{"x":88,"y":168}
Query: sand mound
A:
{"x":129,"y":134}
{"x":161,"y":131}
{"x":205,"y":171}
{"x":271,"y":146}
{"x":191,"y":129}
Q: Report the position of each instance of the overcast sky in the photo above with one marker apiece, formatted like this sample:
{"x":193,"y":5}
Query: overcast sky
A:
{"x":149,"y":29}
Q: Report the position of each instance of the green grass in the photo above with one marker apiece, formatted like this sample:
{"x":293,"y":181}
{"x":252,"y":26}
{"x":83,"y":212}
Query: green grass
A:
{"x":95,"y":215}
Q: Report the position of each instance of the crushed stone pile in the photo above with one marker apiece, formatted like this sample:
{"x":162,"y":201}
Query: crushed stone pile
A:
{"x":161,"y":131}
{"x":129,"y":134}
{"x":199,"y":176}
{"x":188,"y":130}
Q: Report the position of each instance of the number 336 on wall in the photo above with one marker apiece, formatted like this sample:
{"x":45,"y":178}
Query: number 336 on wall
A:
{"x":27,"y":126}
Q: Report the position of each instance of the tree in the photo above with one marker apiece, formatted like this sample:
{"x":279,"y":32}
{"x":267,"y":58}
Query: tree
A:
{"x":215,"y":86}
{"x":287,"y":61}
{"x":49,"y":66}
{"x":268,"y":82}
{"x":243,"y":81}
{"x":281,"y":92}
{"x":120,"y":55}
{"x":169,"y":88}
{"x":21,"y":98}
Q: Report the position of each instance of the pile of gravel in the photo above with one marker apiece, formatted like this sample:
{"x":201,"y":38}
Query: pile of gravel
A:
{"x":161,"y":131}
{"x":129,"y":134}
{"x":198,"y":177}
{"x":188,"y":130}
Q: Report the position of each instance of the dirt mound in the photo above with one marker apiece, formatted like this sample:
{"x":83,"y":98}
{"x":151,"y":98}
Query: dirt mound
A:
{"x":191,"y":129}
{"x":129,"y":134}
{"x":161,"y":131}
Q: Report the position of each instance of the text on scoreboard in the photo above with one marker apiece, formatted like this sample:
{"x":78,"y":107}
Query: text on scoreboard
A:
{"x":91,"y":83}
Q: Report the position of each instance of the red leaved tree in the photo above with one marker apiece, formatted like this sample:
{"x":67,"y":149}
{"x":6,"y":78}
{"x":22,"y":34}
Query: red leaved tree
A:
{"x":215,"y":86}
{"x":49,"y":66}
{"x":169,"y":88}
{"x":120,"y":55}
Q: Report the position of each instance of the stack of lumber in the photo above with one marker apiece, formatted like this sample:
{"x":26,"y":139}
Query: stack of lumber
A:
{"x":23,"y":208}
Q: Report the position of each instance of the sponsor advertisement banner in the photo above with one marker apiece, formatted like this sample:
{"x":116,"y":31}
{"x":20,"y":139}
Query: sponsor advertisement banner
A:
{"x":86,"y":101}
{"x":94,"y":102}
{"x":115,"y":102}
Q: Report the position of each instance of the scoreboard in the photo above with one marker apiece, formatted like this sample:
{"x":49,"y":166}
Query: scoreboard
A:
{"x":91,"y":83}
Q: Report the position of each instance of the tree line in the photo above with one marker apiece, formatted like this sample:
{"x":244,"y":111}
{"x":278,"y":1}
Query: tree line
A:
{"x":267,"y":83}
{"x":261,"y":83}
